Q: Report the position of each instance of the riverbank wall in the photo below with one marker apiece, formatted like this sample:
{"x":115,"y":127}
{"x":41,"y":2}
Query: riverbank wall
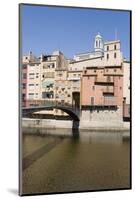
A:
{"x":68,"y":124}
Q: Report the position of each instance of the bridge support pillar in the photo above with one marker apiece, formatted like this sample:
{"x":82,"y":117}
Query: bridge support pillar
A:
{"x":75,"y":124}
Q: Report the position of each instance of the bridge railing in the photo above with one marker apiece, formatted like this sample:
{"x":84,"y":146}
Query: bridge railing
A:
{"x":33,"y":103}
{"x":49,"y":103}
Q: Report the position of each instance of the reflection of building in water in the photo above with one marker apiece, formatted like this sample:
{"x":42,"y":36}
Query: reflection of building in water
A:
{"x":97,"y":82}
{"x":101,"y":137}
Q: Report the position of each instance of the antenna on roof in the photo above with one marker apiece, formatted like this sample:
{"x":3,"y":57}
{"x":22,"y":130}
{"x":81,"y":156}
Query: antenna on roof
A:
{"x":115,"y":33}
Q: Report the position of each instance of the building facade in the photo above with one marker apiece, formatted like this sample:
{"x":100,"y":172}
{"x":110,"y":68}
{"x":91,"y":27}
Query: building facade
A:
{"x":96,"y":82}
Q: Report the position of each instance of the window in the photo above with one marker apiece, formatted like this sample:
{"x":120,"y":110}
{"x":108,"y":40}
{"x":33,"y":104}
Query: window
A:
{"x":68,"y":95}
{"x":24,"y":75}
{"x":24,"y":66}
{"x":48,"y":95}
{"x":96,"y":44}
{"x":43,"y":76}
{"x":107,"y":48}
{"x":31,"y":84}
{"x":115,"y":70}
{"x":24,"y":85}
{"x":107,"y":56}
{"x":93,"y":87}
{"x":44,"y":67}
{"x":108,"y":79}
{"x":31,"y":75}
{"x":31,"y":95}
{"x":37,"y":84}
{"x":92,"y":100}
{"x":115,"y":47}
{"x":115,"y":55}
{"x":23,"y":96}
{"x":32,"y":65}
{"x":94,"y":70}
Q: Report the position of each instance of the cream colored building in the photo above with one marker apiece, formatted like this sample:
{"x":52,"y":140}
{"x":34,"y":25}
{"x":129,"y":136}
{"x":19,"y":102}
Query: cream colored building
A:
{"x":33,"y":81}
{"x":55,"y":78}
{"x":126,"y":81}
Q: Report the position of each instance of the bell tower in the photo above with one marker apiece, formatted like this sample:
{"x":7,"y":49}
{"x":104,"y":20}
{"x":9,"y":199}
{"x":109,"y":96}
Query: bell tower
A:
{"x":98,"y":44}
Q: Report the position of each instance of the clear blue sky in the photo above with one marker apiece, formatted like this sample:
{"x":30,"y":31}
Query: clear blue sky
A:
{"x":71,"y":30}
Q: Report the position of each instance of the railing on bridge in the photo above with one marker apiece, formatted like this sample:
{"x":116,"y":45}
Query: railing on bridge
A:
{"x":47,"y":103}
{"x":33,"y":103}
{"x":52,"y":104}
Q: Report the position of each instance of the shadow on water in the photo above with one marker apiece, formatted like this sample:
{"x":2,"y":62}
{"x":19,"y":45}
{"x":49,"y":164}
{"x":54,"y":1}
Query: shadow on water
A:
{"x":28,"y":160}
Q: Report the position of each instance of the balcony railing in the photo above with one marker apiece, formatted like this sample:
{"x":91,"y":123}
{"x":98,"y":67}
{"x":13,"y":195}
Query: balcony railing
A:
{"x":108,"y":89}
{"x":46,"y":102}
{"x":110,"y":102}
{"x":73,"y":78}
{"x":104,"y":79}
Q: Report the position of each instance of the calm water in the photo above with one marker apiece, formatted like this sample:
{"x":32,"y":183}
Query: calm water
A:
{"x":89,"y":161}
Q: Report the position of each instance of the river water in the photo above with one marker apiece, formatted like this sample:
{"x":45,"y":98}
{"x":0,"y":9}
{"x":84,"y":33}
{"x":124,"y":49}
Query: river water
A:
{"x":69,"y":161}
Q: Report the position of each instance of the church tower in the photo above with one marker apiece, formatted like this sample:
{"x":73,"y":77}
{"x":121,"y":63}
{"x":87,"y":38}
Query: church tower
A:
{"x":98,"y":44}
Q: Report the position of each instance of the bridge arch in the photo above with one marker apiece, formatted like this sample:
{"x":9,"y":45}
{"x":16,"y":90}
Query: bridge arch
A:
{"x":26,"y":112}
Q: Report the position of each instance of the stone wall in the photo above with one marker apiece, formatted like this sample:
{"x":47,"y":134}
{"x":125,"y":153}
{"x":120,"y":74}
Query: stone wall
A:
{"x":101,"y":118}
{"x":46,"y":123}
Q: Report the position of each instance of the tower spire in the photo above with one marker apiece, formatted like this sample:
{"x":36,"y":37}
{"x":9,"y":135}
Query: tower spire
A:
{"x":98,"y":44}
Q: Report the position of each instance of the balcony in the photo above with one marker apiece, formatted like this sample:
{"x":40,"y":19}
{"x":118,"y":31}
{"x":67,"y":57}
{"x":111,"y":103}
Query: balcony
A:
{"x":108,"y":90}
{"x":104,"y":80}
{"x":110,"y":101}
{"x":73,"y":78}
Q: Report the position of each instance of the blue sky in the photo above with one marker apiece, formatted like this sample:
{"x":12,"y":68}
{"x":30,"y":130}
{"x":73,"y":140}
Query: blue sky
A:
{"x":71,"y":30}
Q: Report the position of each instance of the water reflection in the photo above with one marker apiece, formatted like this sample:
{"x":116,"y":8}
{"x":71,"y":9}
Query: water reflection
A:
{"x":82,"y":135}
{"x":61,"y":160}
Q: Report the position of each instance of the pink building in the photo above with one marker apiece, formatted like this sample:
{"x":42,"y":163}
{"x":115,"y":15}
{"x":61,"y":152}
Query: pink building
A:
{"x":24,"y":84}
{"x":102,"y":86}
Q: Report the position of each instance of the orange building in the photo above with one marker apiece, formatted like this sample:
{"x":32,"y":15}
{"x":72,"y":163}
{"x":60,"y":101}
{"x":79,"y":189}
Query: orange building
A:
{"x":102,"y":86}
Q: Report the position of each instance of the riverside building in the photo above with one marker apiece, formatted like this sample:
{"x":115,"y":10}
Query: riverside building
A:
{"x":96,"y":82}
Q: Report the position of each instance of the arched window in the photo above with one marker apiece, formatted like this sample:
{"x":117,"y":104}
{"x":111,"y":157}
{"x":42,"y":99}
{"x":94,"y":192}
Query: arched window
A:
{"x":96,"y":43}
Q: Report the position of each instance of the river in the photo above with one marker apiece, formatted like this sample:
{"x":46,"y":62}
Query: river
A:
{"x":74,"y":161}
